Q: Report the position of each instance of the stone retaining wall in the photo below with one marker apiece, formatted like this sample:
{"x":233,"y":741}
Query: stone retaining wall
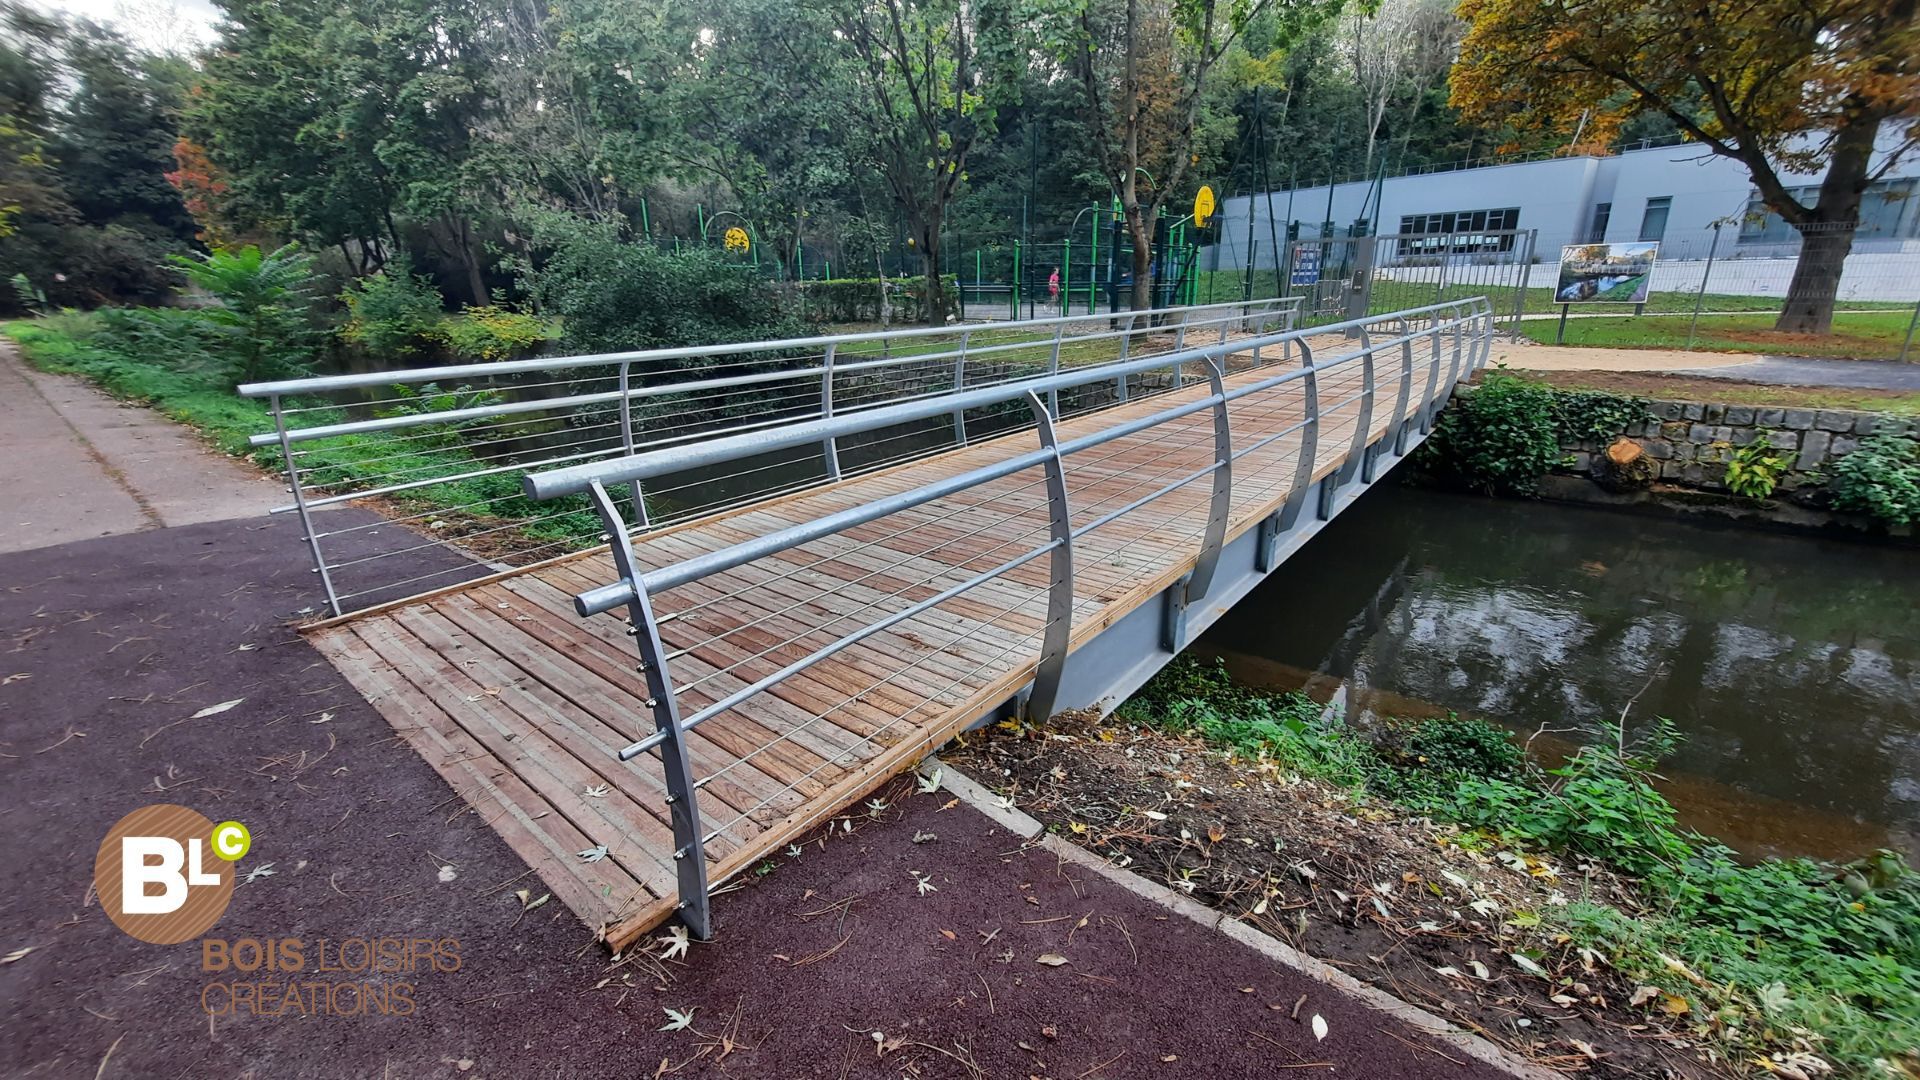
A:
{"x":1693,"y":441}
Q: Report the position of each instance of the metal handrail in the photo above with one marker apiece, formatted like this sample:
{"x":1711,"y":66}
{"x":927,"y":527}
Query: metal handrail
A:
{"x":1441,"y":324}
{"x":360,"y":380}
{"x":596,"y":414}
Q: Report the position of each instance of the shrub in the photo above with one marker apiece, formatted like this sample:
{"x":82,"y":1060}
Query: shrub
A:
{"x":1595,"y":415}
{"x":858,"y":299}
{"x":392,"y":314}
{"x":1755,"y":470}
{"x":612,"y":294}
{"x":1881,"y":477}
{"x":261,"y":308}
{"x":492,"y":333}
{"x":1501,"y":438}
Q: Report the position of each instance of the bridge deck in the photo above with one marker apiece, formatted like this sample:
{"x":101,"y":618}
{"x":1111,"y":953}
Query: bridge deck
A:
{"x":522,"y":705}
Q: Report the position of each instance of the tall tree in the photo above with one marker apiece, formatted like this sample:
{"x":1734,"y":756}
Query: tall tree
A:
{"x":1782,"y":87}
{"x":1143,"y":67}
{"x":932,"y":76}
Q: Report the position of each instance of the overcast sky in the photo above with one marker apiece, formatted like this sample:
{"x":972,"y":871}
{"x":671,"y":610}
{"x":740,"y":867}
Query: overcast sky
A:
{"x":156,"y":24}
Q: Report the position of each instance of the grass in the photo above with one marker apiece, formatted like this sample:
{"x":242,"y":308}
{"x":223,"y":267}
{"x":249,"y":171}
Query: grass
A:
{"x":1857,"y":335}
{"x":1499,"y":283}
{"x":1787,"y":952}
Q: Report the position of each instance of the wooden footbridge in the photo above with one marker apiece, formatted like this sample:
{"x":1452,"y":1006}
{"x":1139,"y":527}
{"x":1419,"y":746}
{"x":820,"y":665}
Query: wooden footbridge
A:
{"x":645,"y":719}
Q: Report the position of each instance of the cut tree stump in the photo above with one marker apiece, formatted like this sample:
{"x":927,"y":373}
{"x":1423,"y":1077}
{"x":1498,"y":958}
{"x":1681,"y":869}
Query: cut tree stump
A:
{"x":1625,"y":466}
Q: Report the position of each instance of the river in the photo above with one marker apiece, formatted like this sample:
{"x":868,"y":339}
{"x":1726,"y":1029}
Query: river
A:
{"x":1790,"y":664}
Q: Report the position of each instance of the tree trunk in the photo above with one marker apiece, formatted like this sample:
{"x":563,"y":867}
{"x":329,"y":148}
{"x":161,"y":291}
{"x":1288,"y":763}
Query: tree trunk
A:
{"x":470,"y":254}
{"x":1826,"y":233}
{"x":1142,"y":235}
{"x":933,"y":291}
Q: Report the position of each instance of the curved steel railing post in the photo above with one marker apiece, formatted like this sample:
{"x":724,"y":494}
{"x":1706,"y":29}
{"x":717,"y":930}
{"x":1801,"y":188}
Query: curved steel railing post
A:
{"x":689,"y":853}
{"x":1053,"y":368}
{"x":829,"y":446}
{"x":1363,"y":423}
{"x":1433,"y":381}
{"x":1406,"y":389}
{"x":1221,"y":505}
{"x":300,"y":503}
{"x":1059,"y":628}
{"x":1309,"y":442}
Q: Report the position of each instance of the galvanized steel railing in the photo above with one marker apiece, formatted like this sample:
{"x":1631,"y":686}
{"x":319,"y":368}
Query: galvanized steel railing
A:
{"x":1407,"y":361}
{"x":437,"y":452}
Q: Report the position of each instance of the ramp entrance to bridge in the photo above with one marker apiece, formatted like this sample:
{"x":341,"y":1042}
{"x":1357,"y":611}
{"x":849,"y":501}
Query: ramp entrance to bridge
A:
{"x":686,"y":651}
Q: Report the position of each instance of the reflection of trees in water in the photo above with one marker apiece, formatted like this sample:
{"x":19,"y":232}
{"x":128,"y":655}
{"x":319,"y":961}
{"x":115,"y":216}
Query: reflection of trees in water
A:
{"x":1793,"y":665}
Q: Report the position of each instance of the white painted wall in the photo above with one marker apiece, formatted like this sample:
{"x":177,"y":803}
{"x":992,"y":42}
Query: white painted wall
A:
{"x":1556,"y":197}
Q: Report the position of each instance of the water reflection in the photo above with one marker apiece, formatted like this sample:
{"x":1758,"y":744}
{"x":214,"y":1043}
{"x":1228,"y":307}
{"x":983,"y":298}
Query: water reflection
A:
{"x":1792,"y":665}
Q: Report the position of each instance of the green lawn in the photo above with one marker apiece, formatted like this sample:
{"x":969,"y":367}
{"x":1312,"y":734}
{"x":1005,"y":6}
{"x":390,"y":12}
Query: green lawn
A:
{"x":1856,"y":335}
{"x":1499,"y":283}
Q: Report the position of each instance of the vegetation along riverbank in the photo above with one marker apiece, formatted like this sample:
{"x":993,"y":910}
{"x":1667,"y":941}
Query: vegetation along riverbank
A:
{"x":1558,"y":910}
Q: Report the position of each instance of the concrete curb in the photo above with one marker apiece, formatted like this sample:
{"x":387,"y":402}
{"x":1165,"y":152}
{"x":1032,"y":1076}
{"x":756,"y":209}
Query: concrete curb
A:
{"x":1024,"y":825}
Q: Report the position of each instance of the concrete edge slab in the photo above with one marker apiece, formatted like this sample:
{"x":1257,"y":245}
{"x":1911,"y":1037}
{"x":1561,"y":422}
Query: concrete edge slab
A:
{"x":1474,"y":1046}
{"x":1023,"y":825}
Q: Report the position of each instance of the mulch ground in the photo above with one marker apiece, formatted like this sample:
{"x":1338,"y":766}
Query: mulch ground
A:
{"x":837,"y":962}
{"x":1419,"y":911}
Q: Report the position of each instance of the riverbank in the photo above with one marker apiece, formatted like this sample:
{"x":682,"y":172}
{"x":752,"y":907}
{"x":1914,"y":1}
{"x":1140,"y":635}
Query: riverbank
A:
{"x":1562,"y":914}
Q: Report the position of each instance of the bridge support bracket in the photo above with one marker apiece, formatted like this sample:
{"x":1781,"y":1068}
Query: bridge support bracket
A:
{"x":1173,"y":627}
{"x":1266,"y":549}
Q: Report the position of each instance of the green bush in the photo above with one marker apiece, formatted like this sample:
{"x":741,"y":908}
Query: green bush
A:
{"x":493,"y":333}
{"x":1755,"y":469}
{"x":1501,"y":438}
{"x":261,"y":308}
{"x":613,"y":295}
{"x":845,"y":300}
{"x":1881,"y":477}
{"x":1596,"y":415}
{"x":394,"y":314}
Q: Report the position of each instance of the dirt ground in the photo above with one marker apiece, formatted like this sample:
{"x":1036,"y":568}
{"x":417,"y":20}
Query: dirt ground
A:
{"x":835,"y":963}
{"x":1520,"y":353}
{"x":1421,"y":912}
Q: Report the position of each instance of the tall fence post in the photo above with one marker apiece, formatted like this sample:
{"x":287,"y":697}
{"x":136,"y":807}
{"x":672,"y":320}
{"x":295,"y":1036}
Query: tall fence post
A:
{"x":300,"y":504}
{"x":1911,"y":323}
{"x":689,"y":850}
{"x":1526,"y":276}
{"x":1059,"y":629}
{"x":1053,"y":368}
{"x":1700,"y":294}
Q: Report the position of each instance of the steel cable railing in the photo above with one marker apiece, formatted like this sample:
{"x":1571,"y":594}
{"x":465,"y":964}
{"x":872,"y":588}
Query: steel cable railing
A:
{"x":436,"y":452}
{"x":972,"y":574}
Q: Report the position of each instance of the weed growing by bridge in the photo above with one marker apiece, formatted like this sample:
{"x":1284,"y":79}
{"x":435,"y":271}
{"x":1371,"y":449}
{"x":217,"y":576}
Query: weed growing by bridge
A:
{"x":1504,"y":435}
{"x":1768,"y":950}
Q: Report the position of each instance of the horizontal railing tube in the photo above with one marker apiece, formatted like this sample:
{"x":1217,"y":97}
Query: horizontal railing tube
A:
{"x":576,"y":478}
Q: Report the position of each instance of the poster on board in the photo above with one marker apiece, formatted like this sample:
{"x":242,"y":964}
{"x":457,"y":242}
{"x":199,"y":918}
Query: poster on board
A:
{"x":1605,"y":273}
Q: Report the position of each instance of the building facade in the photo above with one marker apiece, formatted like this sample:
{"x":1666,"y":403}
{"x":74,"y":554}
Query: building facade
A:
{"x":1673,"y":194}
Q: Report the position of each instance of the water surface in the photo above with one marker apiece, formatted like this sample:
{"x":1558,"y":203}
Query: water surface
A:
{"x":1792,"y":665}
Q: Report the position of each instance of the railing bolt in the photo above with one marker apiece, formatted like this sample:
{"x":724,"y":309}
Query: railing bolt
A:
{"x":652,"y":702}
{"x":671,"y":799}
{"x":680,"y":854}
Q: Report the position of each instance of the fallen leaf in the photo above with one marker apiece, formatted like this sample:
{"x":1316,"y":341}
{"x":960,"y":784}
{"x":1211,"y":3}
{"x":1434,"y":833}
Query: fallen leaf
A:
{"x":1051,"y":959}
{"x":1675,"y":1005}
{"x":593,"y":854}
{"x":263,"y":870}
{"x":924,"y":837}
{"x":16,"y":954}
{"x":1527,"y":965}
{"x":676,"y":1020}
{"x":677,"y":942}
{"x":1480,"y":970}
{"x":949,"y":935}
{"x":1319,"y":1027}
{"x":596,"y":791}
{"x":214,"y":710}
{"x":1643,"y":994}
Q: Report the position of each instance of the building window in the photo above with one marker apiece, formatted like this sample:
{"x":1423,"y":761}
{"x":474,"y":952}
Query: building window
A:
{"x":1886,"y":212}
{"x":1597,"y":234}
{"x":1459,"y":232}
{"x":1653,"y":223}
